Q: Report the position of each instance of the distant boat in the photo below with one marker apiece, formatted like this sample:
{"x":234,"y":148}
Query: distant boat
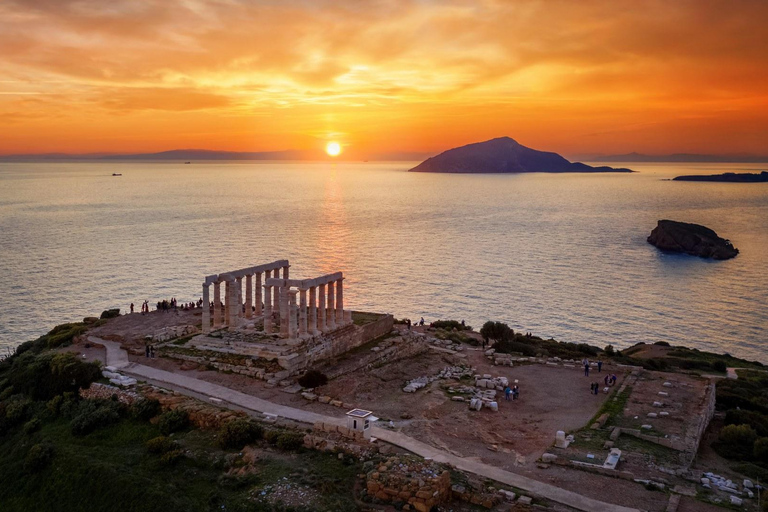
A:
{"x":187,"y":162}
{"x":116,"y":174}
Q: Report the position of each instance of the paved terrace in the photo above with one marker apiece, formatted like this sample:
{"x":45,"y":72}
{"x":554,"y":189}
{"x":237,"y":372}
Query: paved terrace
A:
{"x":230,"y":398}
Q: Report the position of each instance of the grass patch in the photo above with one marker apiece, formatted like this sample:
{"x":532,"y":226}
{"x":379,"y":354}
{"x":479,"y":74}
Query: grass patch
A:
{"x":660,"y":454}
{"x":614,"y":406}
{"x":362,"y":318}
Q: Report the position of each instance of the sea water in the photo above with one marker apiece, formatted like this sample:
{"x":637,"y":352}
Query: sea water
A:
{"x":561,"y":255}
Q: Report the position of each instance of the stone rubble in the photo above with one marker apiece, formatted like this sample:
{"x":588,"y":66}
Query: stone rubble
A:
{"x":447,"y":373}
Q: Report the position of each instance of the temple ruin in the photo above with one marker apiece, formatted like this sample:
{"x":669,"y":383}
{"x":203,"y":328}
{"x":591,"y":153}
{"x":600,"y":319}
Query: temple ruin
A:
{"x":320,"y":307}
{"x":264,"y":324}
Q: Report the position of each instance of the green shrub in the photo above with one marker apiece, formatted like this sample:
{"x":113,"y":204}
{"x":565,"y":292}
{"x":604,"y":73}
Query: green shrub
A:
{"x":719,"y":366}
{"x":161,"y":444}
{"x":172,"y":457}
{"x":173,"y":421}
{"x":449,"y":325}
{"x":609,"y":350}
{"x":313,"y":379}
{"x":736,"y":441}
{"x":271,"y":436}
{"x":145,"y":409}
{"x":759,"y":422}
{"x":760,"y":450}
{"x":54,"y":405}
{"x":239,"y":432}
{"x":31,"y":426}
{"x":662,"y":344}
{"x":497,"y":331}
{"x":290,"y":441}
{"x":38,"y":457}
{"x":109,"y":313}
{"x":16,"y":409}
{"x":94,"y":414}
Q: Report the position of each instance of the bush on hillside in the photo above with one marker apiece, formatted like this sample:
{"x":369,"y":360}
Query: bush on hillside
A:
{"x":719,"y":366}
{"x":38,"y":457}
{"x":760,"y":450}
{"x":449,"y":325}
{"x":313,"y":379}
{"x":290,"y":441}
{"x":173,"y":421}
{"x":161,"y":444}
{"x":110,"y":313}
{"x":736,"y":442}
{"x":145,"y":409}
{"x":759,"y":422}
{"x":239,"y":432}
{"x":93,"y":415}
{"x":496,"y":331}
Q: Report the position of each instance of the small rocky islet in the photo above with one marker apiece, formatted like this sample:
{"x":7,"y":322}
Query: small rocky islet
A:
{"x":727,"y":177}
{"x":693,"y":239}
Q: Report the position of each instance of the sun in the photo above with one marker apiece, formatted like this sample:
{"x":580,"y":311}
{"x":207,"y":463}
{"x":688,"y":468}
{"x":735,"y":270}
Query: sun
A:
{"x":333,"y":148}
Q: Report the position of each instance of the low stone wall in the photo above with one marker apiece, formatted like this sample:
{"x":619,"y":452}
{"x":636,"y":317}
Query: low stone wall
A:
{"x":419,"y":483}
{"x":592,"y":468}
{"x":98,"y":391}
{"x":201,"y":415}
{"x":673,"y":444}
{"x":395,"y":352}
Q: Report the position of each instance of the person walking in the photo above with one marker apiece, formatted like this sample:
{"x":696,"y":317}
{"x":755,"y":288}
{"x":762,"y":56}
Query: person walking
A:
{"x":586,"y":368}
{"x":507,"y":392}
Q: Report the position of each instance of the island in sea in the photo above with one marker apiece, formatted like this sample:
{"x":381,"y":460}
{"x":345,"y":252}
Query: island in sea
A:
{"x":693,"y":239}
{"x":728,"y":177}
{"x":503,"y":155}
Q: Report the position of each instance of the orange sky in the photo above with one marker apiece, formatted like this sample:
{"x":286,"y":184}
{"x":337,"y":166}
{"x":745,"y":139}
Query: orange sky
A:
{"x":383,"y":76}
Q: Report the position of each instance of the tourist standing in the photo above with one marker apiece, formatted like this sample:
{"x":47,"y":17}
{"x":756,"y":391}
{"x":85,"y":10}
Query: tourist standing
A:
{"x":146,"y":351}
{"x":507,"y":392}
{"x":586,"y":368}
{"x":599,"y":366}
{"x":131,"y":307}
{"x":151,"y":352}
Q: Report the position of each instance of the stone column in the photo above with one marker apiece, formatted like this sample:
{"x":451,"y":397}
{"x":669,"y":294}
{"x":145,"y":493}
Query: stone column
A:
{"x":321,"y":309}
{"x":291,"y":294}
{"x":248,"y":296}
{"x":284,"y":311}
{"x":217,"y":305}
{"x":340,"y":302}
{"x":258,"y":294}
{"x":331,"y":318}
{"x":285,"y":271}
{"x":276,"y":301}
{"x":233,"y":305}
{"x":267,"y":309}
{"x":206,"y":309}
{"x":227,"y":301}
{"x":302,"y":312}
{"x":239,"y":284}
{"x":313,"y":311}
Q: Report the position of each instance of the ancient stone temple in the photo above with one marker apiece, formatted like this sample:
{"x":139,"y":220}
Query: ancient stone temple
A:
{"x":295,"y":308}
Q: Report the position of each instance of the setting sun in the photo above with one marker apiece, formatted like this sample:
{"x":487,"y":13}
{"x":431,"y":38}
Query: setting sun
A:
{"x":333,"y":148}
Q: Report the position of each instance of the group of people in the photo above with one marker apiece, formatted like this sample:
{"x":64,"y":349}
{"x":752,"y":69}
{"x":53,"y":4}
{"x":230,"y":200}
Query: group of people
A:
{"x":586,"y":364}
{"x":144,"y":307}
{"x":149,"y":351}
{"x":514,"y":392}
{"x":609,"y":380}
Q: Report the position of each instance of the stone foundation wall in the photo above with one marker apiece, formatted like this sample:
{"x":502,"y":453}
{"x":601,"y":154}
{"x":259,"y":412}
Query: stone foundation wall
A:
{"x":693,"y":439}
{"x":201,"y":415}
{"x":98,"y":391}
{"x":395,"y":352}
{"x":419,"y":483}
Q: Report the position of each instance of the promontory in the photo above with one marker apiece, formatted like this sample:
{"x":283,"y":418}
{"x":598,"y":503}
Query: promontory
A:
{"x":503,"y":155}
{"x":693,"y":239}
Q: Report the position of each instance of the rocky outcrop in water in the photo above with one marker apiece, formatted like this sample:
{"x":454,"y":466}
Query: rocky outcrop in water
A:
{"x":503,"y":155}
{"x":728,"y":177}
{"x":693,"y":239}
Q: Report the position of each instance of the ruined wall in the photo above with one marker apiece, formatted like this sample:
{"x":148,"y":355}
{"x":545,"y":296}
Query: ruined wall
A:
{"x":420,"y":483}
{"x":693,"y":439}
{"x":402,"y":350}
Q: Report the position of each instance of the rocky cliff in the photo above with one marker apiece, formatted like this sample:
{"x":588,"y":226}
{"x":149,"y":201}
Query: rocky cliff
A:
{"x":670,"y":235}
{"x":503,"y":155}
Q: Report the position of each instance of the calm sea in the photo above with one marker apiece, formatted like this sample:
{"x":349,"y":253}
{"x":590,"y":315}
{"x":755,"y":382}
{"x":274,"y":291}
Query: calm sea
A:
{"x":559,"y":255}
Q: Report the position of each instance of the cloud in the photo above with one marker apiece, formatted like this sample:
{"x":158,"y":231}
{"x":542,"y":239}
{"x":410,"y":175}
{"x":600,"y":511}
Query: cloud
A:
{"x":285,"y":59}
